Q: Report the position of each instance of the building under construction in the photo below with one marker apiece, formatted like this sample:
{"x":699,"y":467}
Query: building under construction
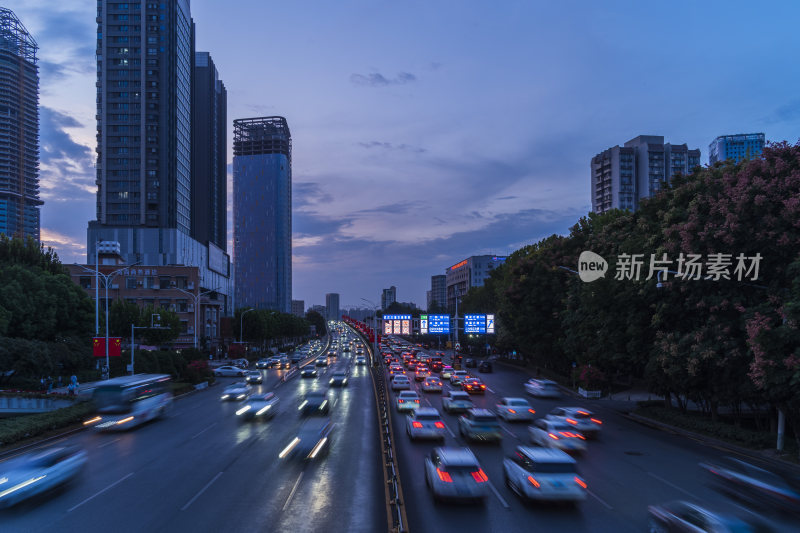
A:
{"x":19,"y":129}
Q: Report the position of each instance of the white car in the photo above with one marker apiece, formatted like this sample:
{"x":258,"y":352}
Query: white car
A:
{"x":259,"y":407}
{"x":542,"y":388}
{"x":458,"y":376}
{"x":407,"y":401}
{"x":432,"y":384}
{"x":229,"y":370}
{"x":579,"y":418}
{"x":456,"y":401}
{"x":361,"y":360}
{"x":425,"y":423}
{"x":561,"y":435}
{"x":512,"y":409}
{"x":454,"y":473}
{"x":36,"y":472}
{"x":542,"y":474}
{"x":479,"y":424}
{"x":400,"y":382}
{"x":446,"y":372}
{"x":236,"y":391}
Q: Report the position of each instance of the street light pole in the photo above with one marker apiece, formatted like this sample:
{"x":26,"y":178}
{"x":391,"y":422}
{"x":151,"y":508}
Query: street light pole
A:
{"x":196,"y":299}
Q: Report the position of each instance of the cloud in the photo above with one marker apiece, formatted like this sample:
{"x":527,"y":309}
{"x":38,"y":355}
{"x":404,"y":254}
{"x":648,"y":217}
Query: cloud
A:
{"x":788,"y":112}
{"x":66,"y":166}
{"x":390,"y":146}
{"x":377,"y":79}
{"x":309,"y":193}
{"x":68,"y":248}
{"x":508,"y":197}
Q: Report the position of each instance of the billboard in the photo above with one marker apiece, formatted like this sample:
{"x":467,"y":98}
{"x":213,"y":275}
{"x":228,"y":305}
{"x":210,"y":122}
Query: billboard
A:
{"x":400,"y":324}
{"x":481,"y":324}
{"x":218,"y":260}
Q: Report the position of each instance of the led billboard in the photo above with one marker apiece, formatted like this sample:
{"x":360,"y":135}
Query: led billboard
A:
{"x":400,"y":324}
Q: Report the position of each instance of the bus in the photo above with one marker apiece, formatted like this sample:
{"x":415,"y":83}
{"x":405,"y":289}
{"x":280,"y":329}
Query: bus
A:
{"x":128,"y":401}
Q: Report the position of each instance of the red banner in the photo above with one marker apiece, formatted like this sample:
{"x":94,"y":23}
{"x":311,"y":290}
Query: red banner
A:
{"x":114,"y":347}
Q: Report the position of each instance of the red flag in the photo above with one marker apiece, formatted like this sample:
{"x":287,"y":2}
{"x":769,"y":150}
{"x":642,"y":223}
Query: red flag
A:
{"x":99,"y":347}
{"x":115,"y":347}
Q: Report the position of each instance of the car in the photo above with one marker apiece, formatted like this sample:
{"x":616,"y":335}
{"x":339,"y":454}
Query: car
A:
{"x":456,"y":401}
{"x":425,"y":423}
{"x":297,"y":357}
{"x":284,"y":363}
{"x":400,"y":382}
{"x":480,"y":424}
{"x":421,"y":373}
{"x":263,"y":363}
{"x":543,"y":474}
{"x":436,"y":366}
{"x":39,"y":471}
{"x":458,"y":376}
{"x":473,"y":386}
{"x":346,"y":348}
{"x":313,"y":440}
{"x":485,"y":366}
{"x":395,"y":370}
{"x":258,"y":407}
{"x":513,"y":409}
{"x":254,"y":376}
{"x":432,"y":384}
{"x":229,"y":370}
{"x":361,"y":360}
{"x":454,"y":473}
{"x":315,"y":403}
{"x":308,"y":372}
{"x":680,"y":516}
{"x":580,"y":419}
{"x":411,"y":365}
{"x":470,"y":363}
{"x":338,"y":379}
{"x":271,"y":362}
{"x":332,"y":353}
{"x":542,"y":388}
{"x":446,"y":372}
{"x":241,"y":363}
{"x":751,"y":483}
{"x":236,"y":391}
{"x":321,"y":361}
{"x":407,"y":401}
{"x":551,"y":434}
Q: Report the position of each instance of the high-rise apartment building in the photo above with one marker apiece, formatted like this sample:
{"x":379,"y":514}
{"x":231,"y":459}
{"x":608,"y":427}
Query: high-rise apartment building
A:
{"x":388,"y":297}
{"x":438,"y":292}
{"x":332,"y":306}
{"x":299,"y":308}
{"x":145,"y":58}
{"x":735,"y":147}
{"x":19,"y":129}
{"x":262,"y":212}
{"x":209,"y":154}
{"x":471,"y":272}
{"x":623,"y":175}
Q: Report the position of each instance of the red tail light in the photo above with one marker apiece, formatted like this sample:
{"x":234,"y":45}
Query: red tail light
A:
{"x":533,"y":482}
{"x":416,"y":424}
{"x":483,"y":386}
{"x":400,"y":401}
{"x":571,"y":421}
{"x":552,"y":436}
{"x":584,"y":413}
{"x":480,"y":476}
{"x":513,"y":412}
{"x":444,"y":476}
{"x":596,"y":421}
{"x":439,"y":425}
{"x":531,"y":411}
{"x":416,"y":401}
{"x":580,"y":482}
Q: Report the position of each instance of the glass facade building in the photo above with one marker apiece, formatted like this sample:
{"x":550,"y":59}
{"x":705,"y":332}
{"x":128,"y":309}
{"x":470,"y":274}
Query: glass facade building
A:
{"x":736,"y":147}
{"x":19,"y":129}
{"x":262,"y":213}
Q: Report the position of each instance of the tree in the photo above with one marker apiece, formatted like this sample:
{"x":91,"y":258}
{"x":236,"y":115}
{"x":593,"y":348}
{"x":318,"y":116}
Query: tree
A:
{"x":121,"y":315}
{"x":170,"y":326}
{"x":315,"y":319}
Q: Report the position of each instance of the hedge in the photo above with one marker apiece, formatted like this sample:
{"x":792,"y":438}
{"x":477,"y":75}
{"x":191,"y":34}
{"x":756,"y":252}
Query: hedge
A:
{"x":23,"y":427}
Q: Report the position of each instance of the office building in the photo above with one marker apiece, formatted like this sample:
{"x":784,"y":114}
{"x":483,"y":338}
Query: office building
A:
{"x":388,"y":297}
{"x":298,"y":308}
{"x":735,"y":147}
{"x":262,"y":212}
{"x":319,"y":309}
{"x":471,"y":272}
{"x":19,"y":129}
{"x":624,"y":175}
{"x":332,"y":306}
{"x":437,"y":296}
{"x":209,"y":154}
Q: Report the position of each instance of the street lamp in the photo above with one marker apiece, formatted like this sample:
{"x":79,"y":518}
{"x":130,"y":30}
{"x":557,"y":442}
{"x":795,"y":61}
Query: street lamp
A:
{"x":107,"y":278}
{"x":241,"y":323}
{"x":196,"y":298}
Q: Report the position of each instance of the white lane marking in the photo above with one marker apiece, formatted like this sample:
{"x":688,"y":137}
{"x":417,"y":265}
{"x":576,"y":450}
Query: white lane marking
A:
{"x":449,"y":431}
{"x":209,"y":427}
{"x":676,"y":487}
{"x":95,"y":495}
{"x":491,"y":486}
{"x":596,"y":497}
{"x":190,"y":502}
{"x":294,"y":489}
{"x":177,"y":413}
{"x":509,"y":432}
{"x":110,"y":442}
{"x":334,"y":402}
{"x":490,"y":390}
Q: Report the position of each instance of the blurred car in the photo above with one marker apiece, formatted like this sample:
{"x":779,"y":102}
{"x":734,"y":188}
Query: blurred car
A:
{"x":411,"y":365}
{"x":338,"y":379}
{"x":313,"y":439}
{"x":284,"y":363}
{"x":229,"y":370}
{"x":421,"y":373}
{"x":258,"y":407}
{"x":454,"y":473}
{"x":254,"y":376}
{"x":361,"y":360}
{"x":308,"y":372}
{"x":315,"y":403}
{"x":458,"y":376}
{"x":470,"y":363}
{"x":479,"y":424}
{"x":513,"y":409}
{"x":681,"y":516}
{"x":436,"y":366}
{"x":236,"y":391}
{"x":485,"y":366}
{"x":407,"y":401}
{"x":447,"y":372}
{"x":321,"y":361}
{"x":581,"y":419}
{"x":400,"y":382}
{"x":543,"y":474}
{"x":425,"y":423}
{"x":332,"y":353}
{"x":473,"y":386}
{"x":542,"y":388}
{"x":552,"y":434}
{"x":241,"y":363}
{"x":39,"y":471}
{"x":753,"y":484}
{"x":263,"y":363}
{"x":297,"y":357}
{"x":395,"y":370}
{"x":432,"y":384}
{"x":456,"y":401}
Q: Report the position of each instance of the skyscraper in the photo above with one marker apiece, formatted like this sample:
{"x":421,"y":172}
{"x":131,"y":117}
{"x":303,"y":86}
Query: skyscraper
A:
{"x":388,"y":297}
{"x":332,"y":306}
{"x":262,"y":212}
{"x":621,"y":176}
{"x":209,"y":149}
{"x":471,"y":272}
{"x":438,"y":298}
{"x":735,"y":147}
{"x":19,"y":129}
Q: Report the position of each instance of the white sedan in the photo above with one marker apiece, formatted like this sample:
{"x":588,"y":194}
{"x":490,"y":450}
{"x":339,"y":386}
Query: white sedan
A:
{"x":259,"y":407}
{"x":236,"y":391}
{"x":541,"y":474}
{"x":511,"y":409}
{"x":425,"y":423}
{"x":407,"y":401}
{"x":557,"y":435}
{"x":229,"y":370}
{"x":39,"y":471}
{"x":432,"y":384}
{"x":400,"y":382}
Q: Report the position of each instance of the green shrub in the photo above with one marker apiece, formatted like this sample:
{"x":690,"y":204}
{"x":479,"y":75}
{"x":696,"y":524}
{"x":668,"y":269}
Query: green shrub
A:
{"x":23,"y":427}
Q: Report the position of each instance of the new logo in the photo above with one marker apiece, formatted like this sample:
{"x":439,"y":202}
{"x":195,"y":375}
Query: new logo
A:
{"x":591,"y":266}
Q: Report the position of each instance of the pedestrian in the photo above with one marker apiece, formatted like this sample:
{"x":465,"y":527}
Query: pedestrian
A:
{"x":60,"y":382}
{"x":43,"y":384}
{"x":49,"y":384}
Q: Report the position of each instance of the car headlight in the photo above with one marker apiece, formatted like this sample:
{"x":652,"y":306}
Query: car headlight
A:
{"x":224,"y":397}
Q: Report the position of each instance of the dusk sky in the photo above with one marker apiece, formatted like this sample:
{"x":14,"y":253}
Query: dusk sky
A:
{"x":426,"y":132}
